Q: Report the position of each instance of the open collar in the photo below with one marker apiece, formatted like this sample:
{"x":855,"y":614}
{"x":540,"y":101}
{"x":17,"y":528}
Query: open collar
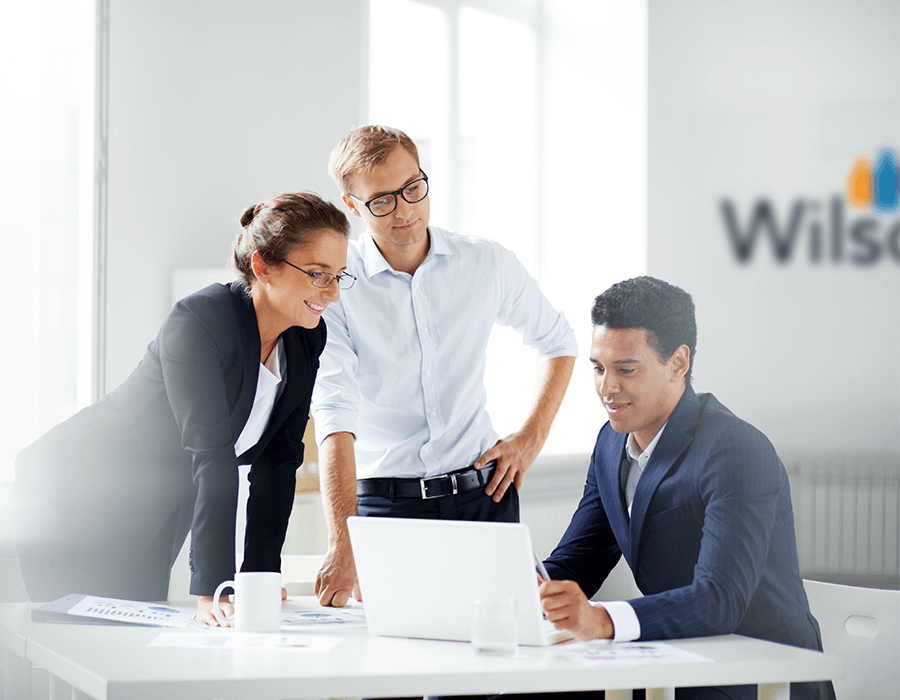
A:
{"x":374,"y":262}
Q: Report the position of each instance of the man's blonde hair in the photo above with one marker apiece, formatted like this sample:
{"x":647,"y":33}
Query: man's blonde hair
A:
{"x":364,"y":148}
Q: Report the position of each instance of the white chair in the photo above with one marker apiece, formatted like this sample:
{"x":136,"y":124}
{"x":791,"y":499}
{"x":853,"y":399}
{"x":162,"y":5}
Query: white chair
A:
{"x":862,"y":626}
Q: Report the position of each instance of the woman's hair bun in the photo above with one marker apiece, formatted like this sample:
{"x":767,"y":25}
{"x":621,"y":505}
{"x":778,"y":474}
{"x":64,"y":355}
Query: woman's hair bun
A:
{"x":249,"y":213}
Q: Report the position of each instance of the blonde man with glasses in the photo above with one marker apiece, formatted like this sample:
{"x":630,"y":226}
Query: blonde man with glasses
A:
{"x":399,"y":404}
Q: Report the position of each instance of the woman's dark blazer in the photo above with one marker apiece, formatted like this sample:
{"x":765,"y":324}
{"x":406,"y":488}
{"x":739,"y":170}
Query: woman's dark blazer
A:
{"x":120,"y":481}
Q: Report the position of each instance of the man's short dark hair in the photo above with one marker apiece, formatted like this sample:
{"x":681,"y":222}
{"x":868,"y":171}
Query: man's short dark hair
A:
{"x":665,"y":311}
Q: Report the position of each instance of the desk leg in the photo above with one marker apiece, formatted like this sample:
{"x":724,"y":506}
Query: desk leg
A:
{"x":660,"y":693}
{"x":16,"y":676}
{"x":60,"y":690}
{"x":774,"y":691}
{"x":618,"y":695}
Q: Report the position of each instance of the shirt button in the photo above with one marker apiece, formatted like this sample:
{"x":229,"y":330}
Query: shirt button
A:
{"x":424,"y":330}
{"x":427,"y":372}
{"x":425,"y":449}
{"x":433,"y":414}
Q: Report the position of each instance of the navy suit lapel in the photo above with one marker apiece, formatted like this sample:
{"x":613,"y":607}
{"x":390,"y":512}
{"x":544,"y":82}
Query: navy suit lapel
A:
{"x":611,"y":492}
{"x":675,"y":440}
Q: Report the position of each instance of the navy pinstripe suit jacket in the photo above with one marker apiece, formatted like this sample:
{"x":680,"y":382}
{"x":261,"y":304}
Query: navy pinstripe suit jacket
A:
{"x":711,"y":536}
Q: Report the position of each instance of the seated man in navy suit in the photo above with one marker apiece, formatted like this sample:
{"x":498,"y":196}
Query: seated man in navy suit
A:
{"x":695,"y":499}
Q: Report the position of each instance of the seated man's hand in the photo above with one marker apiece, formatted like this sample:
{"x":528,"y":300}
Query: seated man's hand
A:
{"x":568,"y":608}
{"x":336,"y":580}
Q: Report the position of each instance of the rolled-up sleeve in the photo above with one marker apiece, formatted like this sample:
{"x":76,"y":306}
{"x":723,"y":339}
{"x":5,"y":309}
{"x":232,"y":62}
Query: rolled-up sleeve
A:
{"x":525,"y":308}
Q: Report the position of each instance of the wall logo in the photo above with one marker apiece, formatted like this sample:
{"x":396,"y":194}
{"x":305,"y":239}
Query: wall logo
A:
{"x":878,"y":188}
{"x":821,"y":229}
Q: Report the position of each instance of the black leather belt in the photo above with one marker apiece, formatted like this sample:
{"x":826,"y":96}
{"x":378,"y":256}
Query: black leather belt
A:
{"x":448,"y":484}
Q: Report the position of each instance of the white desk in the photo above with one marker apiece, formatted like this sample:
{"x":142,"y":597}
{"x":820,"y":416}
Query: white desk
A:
{"x":114,"y":663}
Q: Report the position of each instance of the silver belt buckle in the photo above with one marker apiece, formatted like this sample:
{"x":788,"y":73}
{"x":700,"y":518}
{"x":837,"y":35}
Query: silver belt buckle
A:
{"x":424,"y":488}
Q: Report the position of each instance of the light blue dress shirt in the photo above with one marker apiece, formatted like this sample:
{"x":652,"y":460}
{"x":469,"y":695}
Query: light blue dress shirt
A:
{"x":403,"y":367}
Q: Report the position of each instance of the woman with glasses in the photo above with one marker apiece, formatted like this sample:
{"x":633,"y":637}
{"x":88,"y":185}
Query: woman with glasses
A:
{"x":107,"y":498}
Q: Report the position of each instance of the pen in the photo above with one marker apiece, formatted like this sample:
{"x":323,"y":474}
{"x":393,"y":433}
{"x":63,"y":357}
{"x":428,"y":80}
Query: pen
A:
{"x":541,"y":569}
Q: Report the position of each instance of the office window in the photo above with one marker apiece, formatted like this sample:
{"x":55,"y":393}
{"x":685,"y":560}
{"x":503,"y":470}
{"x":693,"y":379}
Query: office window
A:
{"x":408,"y":83}
{"x":46,"y":196}
{"x":466,"y":94}
{"x":531,"y":122}
{"x":498,"y":129}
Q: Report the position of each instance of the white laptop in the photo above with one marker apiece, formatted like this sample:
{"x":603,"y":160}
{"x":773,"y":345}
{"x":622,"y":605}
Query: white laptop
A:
{"x":419,"y":578}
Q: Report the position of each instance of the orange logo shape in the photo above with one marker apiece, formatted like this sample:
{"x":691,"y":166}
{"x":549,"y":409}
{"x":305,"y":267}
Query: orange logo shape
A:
{"x":859,"y":185}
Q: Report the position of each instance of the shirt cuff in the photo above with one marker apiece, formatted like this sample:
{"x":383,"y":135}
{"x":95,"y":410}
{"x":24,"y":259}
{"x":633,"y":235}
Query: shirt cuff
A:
{"x":333,"y":420}
{"x":565,"y":347}
{"x":626,"y":626}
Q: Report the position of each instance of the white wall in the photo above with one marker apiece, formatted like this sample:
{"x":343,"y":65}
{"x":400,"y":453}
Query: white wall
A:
{"x":213,"y":106}
{"x":216,"y":105}
{"x":774,"y":99}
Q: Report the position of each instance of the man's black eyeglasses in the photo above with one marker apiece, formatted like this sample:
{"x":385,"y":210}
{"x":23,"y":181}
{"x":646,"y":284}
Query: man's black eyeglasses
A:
{"x":386,"y":203}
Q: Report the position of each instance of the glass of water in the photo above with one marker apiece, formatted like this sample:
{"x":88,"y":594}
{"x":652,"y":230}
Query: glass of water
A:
{"x":494,"y":626}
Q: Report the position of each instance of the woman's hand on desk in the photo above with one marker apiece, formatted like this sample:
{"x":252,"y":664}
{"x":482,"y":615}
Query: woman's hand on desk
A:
{"x":567,"y":607}
{"x":205,"y":610}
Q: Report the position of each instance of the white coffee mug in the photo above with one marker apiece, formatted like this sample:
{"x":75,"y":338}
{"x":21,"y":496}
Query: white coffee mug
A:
{"x":257,"y":601}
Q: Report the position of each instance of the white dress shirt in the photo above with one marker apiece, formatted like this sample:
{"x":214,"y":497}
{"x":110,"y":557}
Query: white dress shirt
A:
{"x":626,"y":625}
{"x":271,"y":379}
{"x":403,"y":367}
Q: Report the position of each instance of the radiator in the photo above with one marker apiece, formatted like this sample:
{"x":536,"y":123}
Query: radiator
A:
{"x":847,"y":514}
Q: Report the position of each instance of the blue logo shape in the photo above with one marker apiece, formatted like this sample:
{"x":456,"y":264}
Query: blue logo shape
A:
{"x":887,"y":182}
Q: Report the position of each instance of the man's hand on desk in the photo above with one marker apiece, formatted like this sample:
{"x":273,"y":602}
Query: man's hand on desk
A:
{"x":336,"y":580}
{"x":514,"y":454}
{"x":568,"y":608}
